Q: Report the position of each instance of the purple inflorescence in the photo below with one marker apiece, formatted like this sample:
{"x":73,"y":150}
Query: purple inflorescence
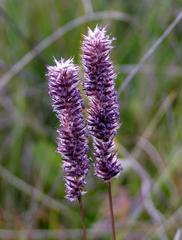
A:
{"x":99,"y":85}
{"x":72,"y":140}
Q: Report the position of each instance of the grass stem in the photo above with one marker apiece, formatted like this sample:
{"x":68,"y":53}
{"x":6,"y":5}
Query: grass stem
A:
{"x":111,"y":211}
{"x":82,"y":218}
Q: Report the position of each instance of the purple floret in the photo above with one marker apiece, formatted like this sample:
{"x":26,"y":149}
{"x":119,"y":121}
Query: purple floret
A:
{"x":72,"y":140}
{"x":99,"y":85}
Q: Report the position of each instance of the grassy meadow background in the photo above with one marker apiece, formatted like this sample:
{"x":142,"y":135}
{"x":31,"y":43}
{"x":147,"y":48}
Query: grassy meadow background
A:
{"x":147,"y":195}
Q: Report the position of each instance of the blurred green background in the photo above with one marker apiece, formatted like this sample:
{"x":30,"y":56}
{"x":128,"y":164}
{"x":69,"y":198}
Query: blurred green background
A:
{"x":147,"y":195}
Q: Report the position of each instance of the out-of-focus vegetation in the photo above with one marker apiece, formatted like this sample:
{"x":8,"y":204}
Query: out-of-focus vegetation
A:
{"x":147,"y":195}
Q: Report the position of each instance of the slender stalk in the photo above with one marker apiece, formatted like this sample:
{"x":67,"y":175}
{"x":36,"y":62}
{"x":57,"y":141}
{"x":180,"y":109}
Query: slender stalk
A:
{"x":82,"y":218}
{"x":111,"y":211}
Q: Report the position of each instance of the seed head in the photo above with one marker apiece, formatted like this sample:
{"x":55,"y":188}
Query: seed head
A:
{"x":99,"y":85}
{"x":72,"y":140}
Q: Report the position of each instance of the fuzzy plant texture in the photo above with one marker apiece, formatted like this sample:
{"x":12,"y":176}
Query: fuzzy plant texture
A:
{"x":99,"y":84}
{"x":72,"y":135}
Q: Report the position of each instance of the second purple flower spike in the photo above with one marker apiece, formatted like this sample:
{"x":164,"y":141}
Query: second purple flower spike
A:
{"x":72,"y":140}
{"x":99,"y":85}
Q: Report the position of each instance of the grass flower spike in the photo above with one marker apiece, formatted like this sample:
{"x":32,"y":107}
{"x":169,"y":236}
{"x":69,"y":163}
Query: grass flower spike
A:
{"x":99,"y":85}
{"x":72,"y":140}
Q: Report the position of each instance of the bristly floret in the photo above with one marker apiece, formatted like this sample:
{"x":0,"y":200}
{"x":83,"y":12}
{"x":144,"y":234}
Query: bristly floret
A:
{"x":99,"y":85}
{"x":72,"y":140}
